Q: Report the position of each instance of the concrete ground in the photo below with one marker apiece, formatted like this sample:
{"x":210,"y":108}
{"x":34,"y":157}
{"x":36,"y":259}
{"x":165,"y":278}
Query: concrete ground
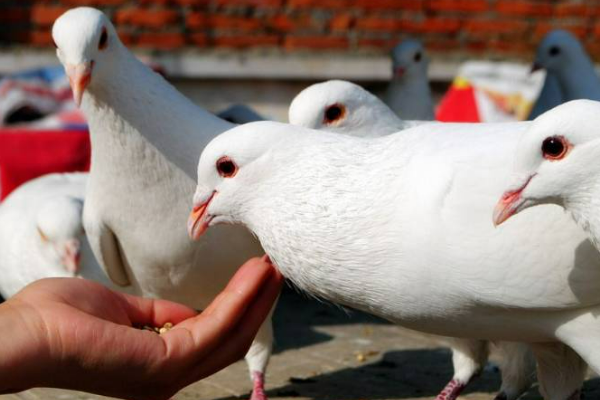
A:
{"x":325,"y":353}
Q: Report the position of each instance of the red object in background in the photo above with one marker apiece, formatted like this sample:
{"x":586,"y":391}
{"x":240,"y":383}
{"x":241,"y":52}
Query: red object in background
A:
{"x":458,"y":104}
{"x":26,"y":154}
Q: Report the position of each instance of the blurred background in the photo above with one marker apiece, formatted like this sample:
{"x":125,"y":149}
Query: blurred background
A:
{"x":263,"y":52}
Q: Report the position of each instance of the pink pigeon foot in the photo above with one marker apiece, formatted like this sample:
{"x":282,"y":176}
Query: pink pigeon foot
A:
{"x":258,"y":392}
{"x":451,"y":391}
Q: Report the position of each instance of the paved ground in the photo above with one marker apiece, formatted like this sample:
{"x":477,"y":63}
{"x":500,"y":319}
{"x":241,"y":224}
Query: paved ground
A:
{"x":324,"y":353}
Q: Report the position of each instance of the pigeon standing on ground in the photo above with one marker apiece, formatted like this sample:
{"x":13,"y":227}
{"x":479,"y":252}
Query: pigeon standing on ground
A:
{"x":557,"y":161}
{"x":41,"y":233}
{"x":408,"y":93}
{"x":138,"y":199}
{"x":550,"y":96}
{"x":364,"y":115}
{"x":563,"y":56}
{"x":400,"y":226}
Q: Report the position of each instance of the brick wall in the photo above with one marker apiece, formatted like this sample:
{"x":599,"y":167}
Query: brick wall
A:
{"x":495,"y":28}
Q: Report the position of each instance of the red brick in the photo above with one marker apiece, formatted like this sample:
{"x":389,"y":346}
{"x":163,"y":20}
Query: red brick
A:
{"x":14,"y":15}
{"x":231,"y":22}
{"x":412,"y":5}
{"x":542,"y":28}
{"x":572,"y":10}
{"x":98,"y":3}
{"x":46,"y":15}
{"x":253,"y":3}
{"x":341,"y":22}
{"x":41,"y":38}
{"x":378,"y":24}
{"x":198,"y":39}
{"x":511,"y":47}
{"x":342,"y":4}
{"x":438,"y":25}
{"x":161,"y":40}
{"x":519,"y":7}
{"x":196,"y":20}
{"x":457,"y":5}
{"x":247,"y":41}
{"x":286,"y":23}
{"x":125,"y":36}
{"x":146,"y":18}
{"x":495,"y":26}
{"x":377,"y":42}
{"x":596,"y":30}
{"x":315,"y":42}
{"x":440,"y":44}
{"x":195,"y":3}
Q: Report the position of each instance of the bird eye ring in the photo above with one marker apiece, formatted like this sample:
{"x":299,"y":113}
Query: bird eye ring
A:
{"x":226,"y":167}
{"x":334,"y":113}
{"x":103,"y":39}
{"x":555,"y":148}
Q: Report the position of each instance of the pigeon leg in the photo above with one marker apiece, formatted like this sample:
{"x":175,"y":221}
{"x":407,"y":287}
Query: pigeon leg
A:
{"x":258,"y":390}
{"x":561,"y":371}
{"x":468,"y":358}
{"x":452,"y":390}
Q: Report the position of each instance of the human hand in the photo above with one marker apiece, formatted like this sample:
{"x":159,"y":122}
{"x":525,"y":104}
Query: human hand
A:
{"x":76,"y":334}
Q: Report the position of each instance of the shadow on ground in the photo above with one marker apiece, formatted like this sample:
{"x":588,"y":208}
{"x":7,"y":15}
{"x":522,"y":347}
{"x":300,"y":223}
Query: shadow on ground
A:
{"x":409,"y":374}
{"x":297,"y":313}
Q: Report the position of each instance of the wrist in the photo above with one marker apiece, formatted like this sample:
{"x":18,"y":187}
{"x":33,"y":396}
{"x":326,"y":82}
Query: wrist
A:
{"x":24,"y":355}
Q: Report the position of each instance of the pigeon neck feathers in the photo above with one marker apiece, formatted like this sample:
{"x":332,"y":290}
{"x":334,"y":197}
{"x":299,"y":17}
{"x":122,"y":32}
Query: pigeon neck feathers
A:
{"x":133,"y":104}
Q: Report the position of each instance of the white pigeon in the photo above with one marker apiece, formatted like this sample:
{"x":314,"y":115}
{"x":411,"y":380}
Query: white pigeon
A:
{"x":141,"y":130}
{"x":408,"y":93}
{"x":563,"y":56}
{"x":557,"y":162}
{"x":400,"y":226}
{"x":550,"y":96}
{"x":41,"y":233}
{"x":346,"y":108}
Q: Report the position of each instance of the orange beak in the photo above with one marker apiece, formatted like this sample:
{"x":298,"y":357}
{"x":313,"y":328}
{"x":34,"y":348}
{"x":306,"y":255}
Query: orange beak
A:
{"x":199,"y":219}
{"x":79,"y":78}
{"x":509,"y":204}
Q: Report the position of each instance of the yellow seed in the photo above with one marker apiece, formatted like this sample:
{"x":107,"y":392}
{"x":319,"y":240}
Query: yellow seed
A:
{"x":168,"y":325}
{"x":163,"y":330}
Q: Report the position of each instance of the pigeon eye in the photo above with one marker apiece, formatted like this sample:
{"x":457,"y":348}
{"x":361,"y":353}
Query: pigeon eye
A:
{"x":334,"y":113}
{"x":103,"y":40}
{"x":418,"y":57}
{"x":554,"y":51}
{"x":226,"y":167}
{"x":555,"y":148}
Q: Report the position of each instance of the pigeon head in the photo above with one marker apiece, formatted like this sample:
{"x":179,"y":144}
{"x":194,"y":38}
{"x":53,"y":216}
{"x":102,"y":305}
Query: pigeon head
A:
{"x":233,"y":167}
{"x":556,"y":160}
{"x":557,"y":51}
{"x":340,"y":106}
{"x":409,"y":59}
{"x":60,"y":228}
{"x":85,"y":43}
